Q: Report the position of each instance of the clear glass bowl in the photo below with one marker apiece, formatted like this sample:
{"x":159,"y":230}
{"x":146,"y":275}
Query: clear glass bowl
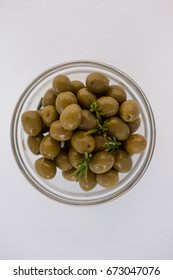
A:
{"x":59,"y":188}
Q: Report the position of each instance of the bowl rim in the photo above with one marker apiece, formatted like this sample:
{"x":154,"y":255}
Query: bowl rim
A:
{"x":38,"y":79}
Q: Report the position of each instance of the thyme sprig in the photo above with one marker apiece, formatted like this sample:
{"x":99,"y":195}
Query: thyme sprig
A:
{"x":39,"y":106}
{"x":112,"y":145}
{"x":82,"y":167}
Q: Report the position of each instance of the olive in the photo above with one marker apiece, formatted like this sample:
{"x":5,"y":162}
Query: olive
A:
{"x":129,"y":110}
{"x":63,"y":100}
{"x":135,"y":144}
{"x":118,"y":128}
{"x":61,"y":83}
{"x":58,"y":133}
{"x":90,"y":183}
{"x":71,"y":117}
{"x":98,"y":83}
{"x":74,"y":157}
{"x":49,"y":115}
{"x":108,"y":179}
{"x":88,"y":121}
{"x":133,"y":126}
{"x":69,"y":174}
{"x":62,"y":161}
{"x":122,"y":161}
{"x":108,"y":106}
{"x":101,"y":162}
{"x":100,"y":141}
{"x":76,"y":86}
{"x":85,"y":98}
{"x":82,"y":143}
{"x":32,"y":123}
{"x":117,"y":92}
{"x":49,"y":148}
{"x":34,"y":143}
{"x":49,"y":97}
{"x":45,"y":168}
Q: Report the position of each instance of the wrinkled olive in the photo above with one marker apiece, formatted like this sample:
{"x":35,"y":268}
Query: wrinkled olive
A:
{"x":90,"y":183}
{"x":122,"y":161}
{"x":98,"y":83}
{"x":117,"y":92}
{"x":49,"y":115}
{"x":85,"y":98}
{"x":62,"y":161}
{"x":58,"y":133}
{"x":135,"y":144}
{"x":34,"y":143}
{"x":49,"y":148}
{"x":32,"y":123}
{"x":82,"y":143}
{"x":101,"y":162}
{"x":71,"y":117}
{"x":63,"y":100}
{"x":118,"y":128}
{"x":108,"y":179}
{"x":129,"y":110}
{"x":45,"y":168}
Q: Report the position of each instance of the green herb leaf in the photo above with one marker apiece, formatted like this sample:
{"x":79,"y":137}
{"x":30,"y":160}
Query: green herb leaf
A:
{"x":112,"y":145}
{"x":39,"y":106}
{"x":82,"y":167}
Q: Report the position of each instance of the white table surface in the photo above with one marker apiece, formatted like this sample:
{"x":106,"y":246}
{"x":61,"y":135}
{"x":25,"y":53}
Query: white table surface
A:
{"x":135,"y":36}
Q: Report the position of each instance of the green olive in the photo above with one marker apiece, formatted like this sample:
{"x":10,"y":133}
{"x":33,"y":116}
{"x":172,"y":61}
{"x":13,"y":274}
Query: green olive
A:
{"x":63,"y":100}
{"x":117,"y":92}
{"x":135,"y":144}
{"x":100,"y":141}
{"x":88,"y":121}
{"x":82,"y":143}
{"x":90,"y":183}
{"x":49,"y":115}
{"x":76,"y":86}
{"x":74,"y":157}
{"x":61,"y":83}
{"x":118,"y":128}
{"x":49,"y":97}
{"x":49,"y":148}
{"x":122,"y":161}
{"x":133,"y":126}
{"x":101,"y":162}
{"x":58,"y":133}
{"x":108,"y":106}
{"x":62,"y":161}
{"x":32,"y":123}
{"x":69,"y":174}
{"x":108,"y":179}
{"x":98,"y":83}
{"x":45,"y":168}
{"x":85,"y":98}
{"x":129,"y":110}
{"x":34,"y":143}
{"x":71,"y":117}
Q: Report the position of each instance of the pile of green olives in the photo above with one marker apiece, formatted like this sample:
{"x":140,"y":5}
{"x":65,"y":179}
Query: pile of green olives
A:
{"x":85,"y":129}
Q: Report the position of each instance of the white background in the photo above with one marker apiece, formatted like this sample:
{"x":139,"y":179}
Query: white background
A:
{"x":135,"y":36}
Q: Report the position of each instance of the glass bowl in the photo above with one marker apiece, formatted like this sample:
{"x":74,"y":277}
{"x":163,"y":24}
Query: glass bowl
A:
{"x":59,"y":188}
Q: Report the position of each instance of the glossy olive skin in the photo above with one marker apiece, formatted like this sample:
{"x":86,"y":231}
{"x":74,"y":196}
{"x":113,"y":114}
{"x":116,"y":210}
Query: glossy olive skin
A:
{"x":85,"y":98}
{"x":108,"y":106}
{"x":71,"y":117}
{"x":63,"y":100}
{"x":133,"y":126}
{"x":117,"y":92}
{"x":135,"y":144}
{"x":90,"y":183}
{"x":49,"y":115}
{"x":58,"y":133}
{"x":49,"y":148}
{"x":122,"y":161}
{"x":69,"y":174}
{"x":118,"y":128}
{"x":100,"y":141}
{"x":45,"y":168}
{"x":74,"y":157}
{"x":32,"y":123}
{"x":129,"y":110}
{"x":34,"y":143}
{"x":76,"y":86}
{"x":101,"y":162}
{"x":82,"y":143}
{"x":49,"y":97}
{"x":62,"y":161}
{"x":61,"y":83}
{"x":108,"y":179}
{"x":88,"y":120}
{"x":98,"y":83}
